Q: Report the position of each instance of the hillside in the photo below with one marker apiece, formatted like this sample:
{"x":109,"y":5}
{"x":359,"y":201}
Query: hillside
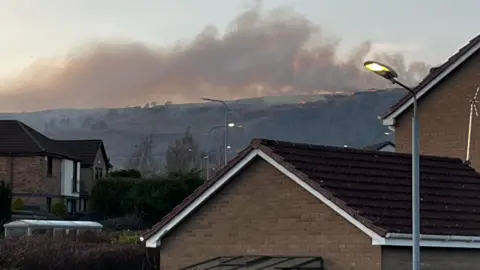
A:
{"x":335,"y":119}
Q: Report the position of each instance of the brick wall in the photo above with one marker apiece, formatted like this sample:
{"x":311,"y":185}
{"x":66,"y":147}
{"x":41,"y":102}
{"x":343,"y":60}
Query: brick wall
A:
{"x":30,"y":176}
{"x":265,"y":213}
{"x":443,"y":117}
{"x":87,"y":175}
{"x":399,"y":258}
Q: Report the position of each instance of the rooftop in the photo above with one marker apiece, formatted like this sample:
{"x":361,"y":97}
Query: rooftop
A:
{"x":16,"y":138}
{"x":372,"y":187}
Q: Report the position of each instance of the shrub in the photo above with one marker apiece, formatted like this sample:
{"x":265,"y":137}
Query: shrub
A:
{"x":5,"y":203}
{"x":18,"y":204}
{"x":32,"y":253}
{"x":148,"y":199}
{"x":59,"y":208}
{"x":126,"y":237}
{"x":93,"y":237}
{"x":128,"y":222}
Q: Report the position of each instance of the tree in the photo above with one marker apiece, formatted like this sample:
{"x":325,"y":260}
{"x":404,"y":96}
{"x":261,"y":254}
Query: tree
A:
{"x":183,"y":154}
{"x":147,"y":199}
{"x":87,"y":122}
{"x":130,"y":173}
{"x":99,"y":125}
{"x":5,"y":203}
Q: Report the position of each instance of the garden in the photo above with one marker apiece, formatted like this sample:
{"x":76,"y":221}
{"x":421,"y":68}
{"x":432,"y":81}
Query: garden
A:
{"x":124,"y":205}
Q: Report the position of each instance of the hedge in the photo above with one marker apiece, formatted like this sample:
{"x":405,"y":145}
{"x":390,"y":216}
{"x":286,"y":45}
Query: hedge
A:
{"x":148,"y":199}
{"x":39,"y":252}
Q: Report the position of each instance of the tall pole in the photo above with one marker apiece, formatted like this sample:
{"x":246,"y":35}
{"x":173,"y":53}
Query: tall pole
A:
{"x":415,"y":189}
{"x":226,"y":126}
{"x":209,"y":151}
{"x":226,"y":134}
{"x":415,"y":183}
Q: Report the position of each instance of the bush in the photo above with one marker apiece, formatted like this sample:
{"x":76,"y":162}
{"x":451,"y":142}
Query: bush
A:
{"x":18,"y":204}
{"x":32,"y":253}
{"x":126,"y":237}
{"x":148,"y":199}
{"x":59,"y":208}
{"x":94,"y":237}
{"x":128,"y":222}
{"x":5,"y":203}
{"x":131,"y":173}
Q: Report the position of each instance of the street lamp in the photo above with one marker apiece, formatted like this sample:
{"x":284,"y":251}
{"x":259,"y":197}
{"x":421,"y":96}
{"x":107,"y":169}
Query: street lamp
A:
{"x":227,"y":146}
{"x":226,"y":124}
{"x":390,"y":74}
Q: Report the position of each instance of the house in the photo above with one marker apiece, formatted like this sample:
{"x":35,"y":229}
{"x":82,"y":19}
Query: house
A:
{"x":95,"y":164}
{"x":351,"y":208}
{"x":42,"y":170}
{"x":443,"y":108}
{"x":386,"y":146}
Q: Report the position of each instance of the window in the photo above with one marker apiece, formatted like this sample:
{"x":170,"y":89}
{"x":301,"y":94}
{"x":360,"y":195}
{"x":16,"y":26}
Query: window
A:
{"x":98,"y":173}
{"x":85,"y":205}
{"x":49,"y":204}
{"x":74,"y":178}
{"x":49,"y":166}
{"x":71,"y":205}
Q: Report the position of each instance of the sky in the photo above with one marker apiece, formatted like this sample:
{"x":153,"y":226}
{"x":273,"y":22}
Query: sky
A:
{"x":50,"y":30}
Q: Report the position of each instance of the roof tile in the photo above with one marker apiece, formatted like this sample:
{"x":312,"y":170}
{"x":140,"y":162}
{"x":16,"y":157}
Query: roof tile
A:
{"x":434,"y":72}
{"x":375,"y":187}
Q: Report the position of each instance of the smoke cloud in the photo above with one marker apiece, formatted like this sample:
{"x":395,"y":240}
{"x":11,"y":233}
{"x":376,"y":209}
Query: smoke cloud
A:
{"x":261,"y":53}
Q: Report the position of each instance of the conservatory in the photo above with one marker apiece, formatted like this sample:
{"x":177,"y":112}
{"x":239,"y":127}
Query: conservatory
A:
{"x":52,"y":228}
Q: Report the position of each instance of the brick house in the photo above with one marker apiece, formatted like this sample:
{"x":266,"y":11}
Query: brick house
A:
{"x":443,"y":108}
{"x":95,"y":164}
{"x":349,"y":207}
{"x":42,"y":170}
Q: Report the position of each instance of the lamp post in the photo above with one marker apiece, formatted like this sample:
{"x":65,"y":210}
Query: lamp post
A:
{"x":389,"y":74}
{"x":226,"y":124}
{"x":229,"y":125}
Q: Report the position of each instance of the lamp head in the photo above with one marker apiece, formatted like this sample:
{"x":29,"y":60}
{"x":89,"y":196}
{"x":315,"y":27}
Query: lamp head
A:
{"x":381,"y":69}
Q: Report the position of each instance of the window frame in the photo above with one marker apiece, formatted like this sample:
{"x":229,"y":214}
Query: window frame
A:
{"x":75,"y":177}
{"x":49,"y":166}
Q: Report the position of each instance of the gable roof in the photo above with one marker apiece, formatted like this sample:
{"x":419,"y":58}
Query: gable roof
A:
{"x":378,"y":146}
{"x":436,"y":75}
{"x":86,"y":150}
{"x":370,"y":189}
{"x":16,"y":138}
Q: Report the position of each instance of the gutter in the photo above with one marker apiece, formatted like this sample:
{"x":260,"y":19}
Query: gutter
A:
{"x":433,"y":237}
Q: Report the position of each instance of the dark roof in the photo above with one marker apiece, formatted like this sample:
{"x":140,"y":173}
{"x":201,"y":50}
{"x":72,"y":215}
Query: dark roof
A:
{"x":378,"y":146}
{"x":434,"y":72}
{"x":16,"y":138}
{"x":374,"y":187}
{"x":86,"y":150}
{"x":260,"y":262}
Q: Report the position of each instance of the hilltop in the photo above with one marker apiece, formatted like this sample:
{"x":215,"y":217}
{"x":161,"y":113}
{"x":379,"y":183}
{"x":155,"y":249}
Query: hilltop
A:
{"x":331,"y":119}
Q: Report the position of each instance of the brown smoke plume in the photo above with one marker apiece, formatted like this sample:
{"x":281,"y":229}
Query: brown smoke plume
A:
{"x":262,"y":53}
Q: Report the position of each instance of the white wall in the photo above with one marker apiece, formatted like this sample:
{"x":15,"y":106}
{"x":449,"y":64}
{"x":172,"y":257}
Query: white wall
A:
{"x":67,"y":178}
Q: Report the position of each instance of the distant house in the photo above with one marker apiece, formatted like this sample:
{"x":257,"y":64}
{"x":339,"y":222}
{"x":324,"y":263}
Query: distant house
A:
{"x":289,"y":204}
{"x":95,"y":164}
{"x":42,"y":170}
{"x":443,"y":108}
{"x":386,"y":146}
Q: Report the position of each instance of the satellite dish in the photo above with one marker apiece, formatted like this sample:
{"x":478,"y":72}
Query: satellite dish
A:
{"x":473,"y":107}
